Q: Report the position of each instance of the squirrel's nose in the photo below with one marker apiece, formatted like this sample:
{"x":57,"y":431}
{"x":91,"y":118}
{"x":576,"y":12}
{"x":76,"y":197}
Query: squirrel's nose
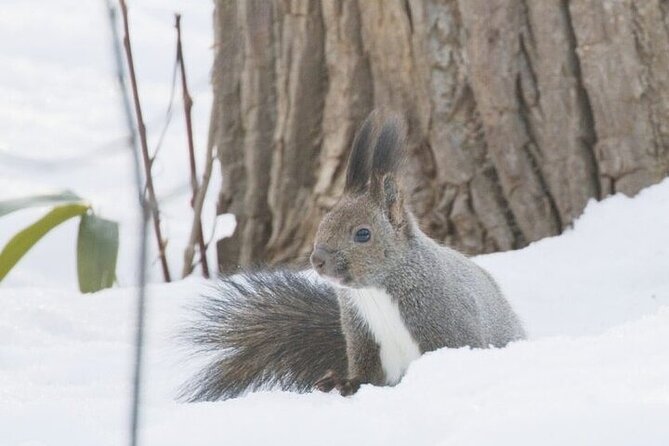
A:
{"x":319,"y":258}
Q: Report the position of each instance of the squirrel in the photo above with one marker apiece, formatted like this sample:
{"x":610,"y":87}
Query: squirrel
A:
{"x":390,"y":294}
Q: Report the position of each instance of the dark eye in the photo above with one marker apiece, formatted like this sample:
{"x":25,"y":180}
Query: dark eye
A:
{"x":362,"y":235}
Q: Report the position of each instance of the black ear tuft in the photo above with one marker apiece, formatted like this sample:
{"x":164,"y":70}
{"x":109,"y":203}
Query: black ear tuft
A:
{"x":389,"y":149}
{"x":357,"y":173}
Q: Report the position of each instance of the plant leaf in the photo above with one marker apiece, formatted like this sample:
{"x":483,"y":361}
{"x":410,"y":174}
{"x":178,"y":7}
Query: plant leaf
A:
{"x":97,"y":251}
{"x":15,"y":204}
{"x":21,"y":243}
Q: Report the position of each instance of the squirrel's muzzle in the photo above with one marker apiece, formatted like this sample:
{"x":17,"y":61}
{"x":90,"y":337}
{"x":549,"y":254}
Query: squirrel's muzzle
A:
{"x":329,"y":265}
{"x":321,"y":259}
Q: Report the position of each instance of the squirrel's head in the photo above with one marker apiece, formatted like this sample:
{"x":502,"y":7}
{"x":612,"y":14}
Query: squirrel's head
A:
{"x":366,"y":233}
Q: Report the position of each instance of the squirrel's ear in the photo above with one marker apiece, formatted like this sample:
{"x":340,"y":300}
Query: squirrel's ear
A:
{"x":357,"y":172}
{"x":391,"y":199}
{"x":388,"y":157}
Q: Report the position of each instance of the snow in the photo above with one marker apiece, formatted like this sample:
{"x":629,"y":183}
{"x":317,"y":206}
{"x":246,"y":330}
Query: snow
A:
{"x":594,"y":371}
{"x":595,"y":300}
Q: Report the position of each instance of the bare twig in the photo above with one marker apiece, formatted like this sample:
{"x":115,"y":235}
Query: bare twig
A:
{"x":198,"y":202}
{"x":153,"y":203}
{"x":188,"y":105}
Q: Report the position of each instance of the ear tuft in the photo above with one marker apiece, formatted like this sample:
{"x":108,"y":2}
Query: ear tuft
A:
{"x":357,"y":172}
{"x":389,"y":149}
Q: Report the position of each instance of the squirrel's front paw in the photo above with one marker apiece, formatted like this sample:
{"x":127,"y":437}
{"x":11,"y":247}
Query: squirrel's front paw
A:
{"x":331,"y":380}
{"x":348,"y":387}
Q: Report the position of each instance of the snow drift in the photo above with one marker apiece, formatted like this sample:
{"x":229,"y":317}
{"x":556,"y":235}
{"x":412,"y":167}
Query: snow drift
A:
{"x":594,"y":371}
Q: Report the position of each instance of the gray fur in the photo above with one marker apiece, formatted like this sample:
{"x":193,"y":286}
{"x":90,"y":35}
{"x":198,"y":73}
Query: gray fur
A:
{"x":444,"y":299}
{"x":281,"y":329}
{"x":266,"y":329}
{"x":451,"y":303}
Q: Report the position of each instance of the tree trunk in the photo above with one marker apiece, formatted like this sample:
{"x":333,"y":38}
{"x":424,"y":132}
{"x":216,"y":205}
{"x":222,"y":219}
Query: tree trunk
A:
{"x":519,"y":112}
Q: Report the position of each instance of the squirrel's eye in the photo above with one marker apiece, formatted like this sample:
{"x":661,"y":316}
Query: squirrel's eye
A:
{"x":362,"y":235}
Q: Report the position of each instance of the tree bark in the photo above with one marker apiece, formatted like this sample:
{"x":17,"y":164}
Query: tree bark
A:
{"x":519,"y":112}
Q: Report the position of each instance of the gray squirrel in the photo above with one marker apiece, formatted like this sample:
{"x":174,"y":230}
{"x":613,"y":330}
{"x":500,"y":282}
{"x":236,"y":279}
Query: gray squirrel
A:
{"x":390,"y":294}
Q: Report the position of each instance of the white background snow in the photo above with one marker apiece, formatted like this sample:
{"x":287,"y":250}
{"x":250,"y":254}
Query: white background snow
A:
{"x":595,"y":300}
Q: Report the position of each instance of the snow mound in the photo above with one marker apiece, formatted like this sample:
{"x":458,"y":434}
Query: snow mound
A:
{"x":594,"y":371}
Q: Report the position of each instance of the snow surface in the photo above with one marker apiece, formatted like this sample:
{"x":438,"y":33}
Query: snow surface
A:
{"x":595,"y":370}
{"x":595,"y":300}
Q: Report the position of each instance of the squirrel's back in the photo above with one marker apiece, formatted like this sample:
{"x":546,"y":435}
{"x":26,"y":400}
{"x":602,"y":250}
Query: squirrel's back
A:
{"x":447,"y":300}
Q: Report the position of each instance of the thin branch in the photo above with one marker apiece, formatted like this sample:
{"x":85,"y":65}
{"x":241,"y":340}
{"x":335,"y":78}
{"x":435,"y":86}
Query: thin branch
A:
{"x":188,"y":105}
{"x":202,"y":190}
{"x":153,"y":203}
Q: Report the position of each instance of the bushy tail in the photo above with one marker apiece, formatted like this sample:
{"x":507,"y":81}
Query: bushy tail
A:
{"x":266,"y":329}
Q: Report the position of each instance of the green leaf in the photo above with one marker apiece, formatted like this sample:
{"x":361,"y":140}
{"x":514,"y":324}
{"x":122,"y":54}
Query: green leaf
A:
{"x":97,"y":251}
{"x":8,"y":206}
{"x":21,"y":243}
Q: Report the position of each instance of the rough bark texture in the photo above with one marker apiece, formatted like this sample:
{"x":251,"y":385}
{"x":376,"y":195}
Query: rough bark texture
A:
{"x":519,"y":112}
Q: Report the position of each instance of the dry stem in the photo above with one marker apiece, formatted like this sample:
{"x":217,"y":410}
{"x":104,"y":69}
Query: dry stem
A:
{"x":188,"y":105}
{"x":153,"y":203}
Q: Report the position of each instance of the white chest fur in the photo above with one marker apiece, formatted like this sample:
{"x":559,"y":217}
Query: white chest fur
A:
{"x":397,"y":347}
